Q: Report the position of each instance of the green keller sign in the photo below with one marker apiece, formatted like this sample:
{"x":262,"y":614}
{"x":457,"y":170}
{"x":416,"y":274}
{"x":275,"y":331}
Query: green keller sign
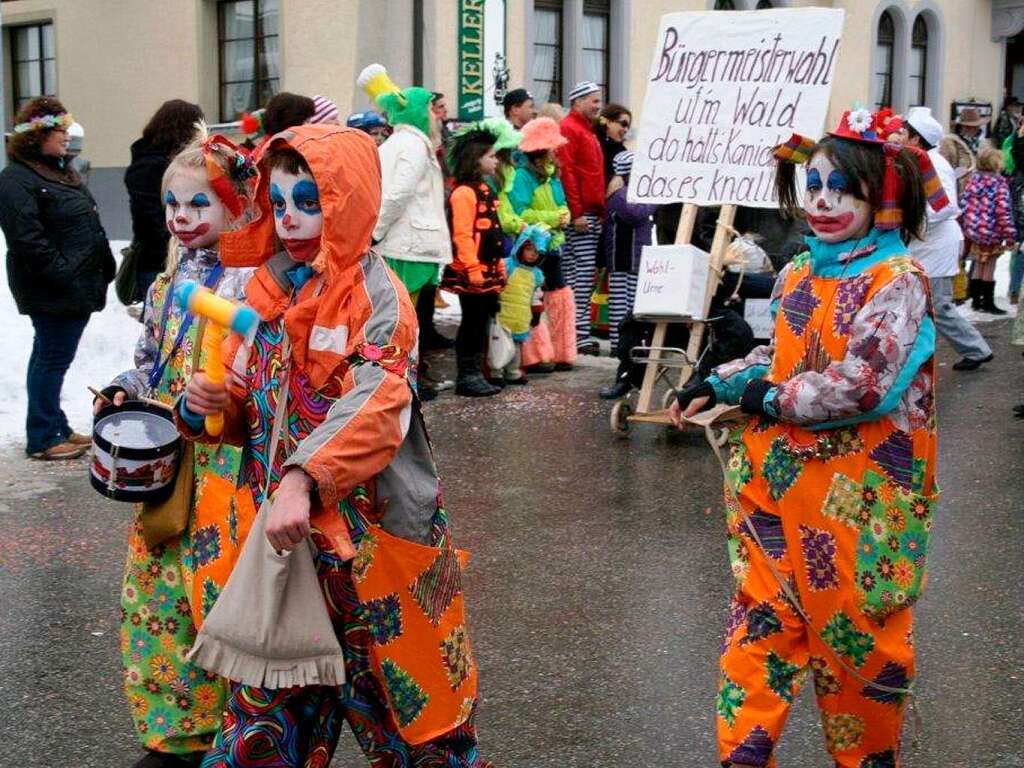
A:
{"x":483,"y":65}
{"x":471,"y":59}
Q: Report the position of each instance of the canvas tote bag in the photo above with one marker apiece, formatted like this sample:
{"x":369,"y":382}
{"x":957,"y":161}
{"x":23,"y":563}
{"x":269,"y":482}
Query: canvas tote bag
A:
{"x":270,"y":628}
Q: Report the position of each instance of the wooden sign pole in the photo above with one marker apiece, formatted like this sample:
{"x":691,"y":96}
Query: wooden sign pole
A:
{"x":684,"y":234}
{"x":719,"y":246}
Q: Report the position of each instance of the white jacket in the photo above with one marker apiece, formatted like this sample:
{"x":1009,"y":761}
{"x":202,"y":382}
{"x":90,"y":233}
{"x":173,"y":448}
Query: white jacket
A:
{"x":939,"y":252}
{"x":412,"y":225}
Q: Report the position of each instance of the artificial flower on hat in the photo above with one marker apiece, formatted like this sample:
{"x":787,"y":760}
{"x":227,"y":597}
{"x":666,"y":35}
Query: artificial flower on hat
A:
{"x":409,"y":106}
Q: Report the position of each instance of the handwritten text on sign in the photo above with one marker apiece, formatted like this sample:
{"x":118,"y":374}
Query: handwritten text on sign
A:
{"x":724,"y":90}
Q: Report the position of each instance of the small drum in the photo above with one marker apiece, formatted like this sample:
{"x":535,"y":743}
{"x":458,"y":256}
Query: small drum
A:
{"x":135,"y":452}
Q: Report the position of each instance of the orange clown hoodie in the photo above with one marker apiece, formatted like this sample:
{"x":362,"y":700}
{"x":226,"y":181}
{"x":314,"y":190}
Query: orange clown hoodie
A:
{"x":353,"y":426}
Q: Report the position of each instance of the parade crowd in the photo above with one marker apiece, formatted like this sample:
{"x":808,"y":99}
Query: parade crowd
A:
{"x":341,"y":235}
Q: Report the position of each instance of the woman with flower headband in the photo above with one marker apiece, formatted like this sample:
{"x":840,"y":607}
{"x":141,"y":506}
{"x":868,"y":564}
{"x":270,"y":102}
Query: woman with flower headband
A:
{"x":58,"y":264}
{"x":170,"y":585}
{"x":831,"y":484}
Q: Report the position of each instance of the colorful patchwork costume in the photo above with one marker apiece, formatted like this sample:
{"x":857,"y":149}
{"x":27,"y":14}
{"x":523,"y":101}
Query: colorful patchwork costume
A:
{"x":838,"y":484}
{"x":354,"y":429}
{"x":175,"y":706}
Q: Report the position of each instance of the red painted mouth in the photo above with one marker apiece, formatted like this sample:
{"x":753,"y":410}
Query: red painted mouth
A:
{"x":188,"y":236}
{"x":830,"y":224}
{"x":302,"y":250}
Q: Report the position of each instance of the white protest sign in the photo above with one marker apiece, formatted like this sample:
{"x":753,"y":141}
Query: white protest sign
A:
{"x":672,"y":282}
{"x":758,"y":314}
{"x":725,"y":88}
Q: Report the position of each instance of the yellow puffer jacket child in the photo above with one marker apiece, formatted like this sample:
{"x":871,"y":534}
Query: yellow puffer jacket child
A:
{"x":524,"y":281}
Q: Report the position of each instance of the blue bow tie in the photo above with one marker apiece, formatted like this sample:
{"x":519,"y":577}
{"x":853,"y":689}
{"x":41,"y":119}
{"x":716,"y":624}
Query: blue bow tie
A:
{"x":300,"y":275}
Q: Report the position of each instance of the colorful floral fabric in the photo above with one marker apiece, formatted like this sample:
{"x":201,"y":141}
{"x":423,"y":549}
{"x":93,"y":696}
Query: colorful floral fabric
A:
{"x":300,"y":727}
{"x":176,"y":706}
{"x":840,"y":510}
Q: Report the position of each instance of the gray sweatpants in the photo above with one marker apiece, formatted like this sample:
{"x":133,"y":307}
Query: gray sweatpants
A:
{"x":955,"y":327}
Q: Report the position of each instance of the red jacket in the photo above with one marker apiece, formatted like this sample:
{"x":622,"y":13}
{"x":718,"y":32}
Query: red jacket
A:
{"x":582,"y":167}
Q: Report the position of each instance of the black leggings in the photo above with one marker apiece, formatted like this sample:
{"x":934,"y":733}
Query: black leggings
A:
{"x":554,"y":279}
{"x":477,"y":309}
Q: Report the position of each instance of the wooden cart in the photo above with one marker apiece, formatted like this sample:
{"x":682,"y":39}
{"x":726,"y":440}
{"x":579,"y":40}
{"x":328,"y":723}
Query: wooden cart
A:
{"x":662,"y":362}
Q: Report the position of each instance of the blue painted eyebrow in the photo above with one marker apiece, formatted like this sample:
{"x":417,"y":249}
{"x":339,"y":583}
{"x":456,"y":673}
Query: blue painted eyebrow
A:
{"x":837,"y":181}
{"x":169,"y":198}
{"x":813,"y":179}
{"x":306,"y":192}
{"x":200,"y":200}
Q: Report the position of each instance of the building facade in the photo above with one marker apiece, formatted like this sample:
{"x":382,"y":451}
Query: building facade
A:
{"x":113,"y":62}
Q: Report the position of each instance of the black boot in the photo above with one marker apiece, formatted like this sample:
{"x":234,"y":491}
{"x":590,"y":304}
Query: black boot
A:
{"x":974,"y":293}
{"x":971,"y":364}
{"x":988,"y":298}
{"x":470,"y":382}
{"x":619,"y":389}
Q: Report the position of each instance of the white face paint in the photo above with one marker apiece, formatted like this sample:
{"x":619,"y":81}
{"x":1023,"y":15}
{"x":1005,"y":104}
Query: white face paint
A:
{"x":194,"y":213}
{"x":833,"y":213}
{"x":295,"y":200}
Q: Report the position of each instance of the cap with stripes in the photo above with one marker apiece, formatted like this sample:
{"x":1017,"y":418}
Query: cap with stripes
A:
{"x":583,"y":89}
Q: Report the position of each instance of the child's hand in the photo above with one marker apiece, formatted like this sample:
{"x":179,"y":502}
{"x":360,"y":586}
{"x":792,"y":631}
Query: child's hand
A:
{"x":203,"y":397}
{"x":288,"y":522}
{"x":476,"y":278}
{"x":581,"y":224}
{"x":116,"y":395}
{"x":564,"y":217}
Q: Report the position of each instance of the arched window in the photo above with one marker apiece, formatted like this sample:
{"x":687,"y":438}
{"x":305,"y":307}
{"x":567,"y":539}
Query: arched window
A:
{"x":885,"y":53}
{"x":764,"y":5}
{"x":725,"y":5}
{"x":918,"y":63}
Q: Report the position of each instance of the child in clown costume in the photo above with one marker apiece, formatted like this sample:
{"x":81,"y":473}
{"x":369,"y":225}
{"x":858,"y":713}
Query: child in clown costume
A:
{"x":170,"y":585}
{"x":831,"y":484}
{"x":353,"y":470}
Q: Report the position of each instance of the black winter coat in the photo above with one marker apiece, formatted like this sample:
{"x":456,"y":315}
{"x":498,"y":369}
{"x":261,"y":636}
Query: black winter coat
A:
{"x":149,"y":228}
{"x":58,"y":257}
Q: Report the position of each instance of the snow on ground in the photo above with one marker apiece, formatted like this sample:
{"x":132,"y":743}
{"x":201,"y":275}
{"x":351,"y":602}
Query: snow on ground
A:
{"x":105,"y":350}
{"x":109,"y":340}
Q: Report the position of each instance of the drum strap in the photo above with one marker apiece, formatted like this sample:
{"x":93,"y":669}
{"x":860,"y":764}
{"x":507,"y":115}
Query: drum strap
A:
{"x":158,"y":370}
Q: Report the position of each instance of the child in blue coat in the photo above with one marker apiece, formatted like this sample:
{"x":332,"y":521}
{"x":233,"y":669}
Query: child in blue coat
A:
{"x":520,"y":304}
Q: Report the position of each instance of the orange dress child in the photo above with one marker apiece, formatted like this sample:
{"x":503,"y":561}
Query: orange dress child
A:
{"x":477,"y":272}
{"x":831,"y":484}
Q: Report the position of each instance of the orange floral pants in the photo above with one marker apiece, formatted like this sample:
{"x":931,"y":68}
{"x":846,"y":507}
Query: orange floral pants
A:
{"x":769,"y":651}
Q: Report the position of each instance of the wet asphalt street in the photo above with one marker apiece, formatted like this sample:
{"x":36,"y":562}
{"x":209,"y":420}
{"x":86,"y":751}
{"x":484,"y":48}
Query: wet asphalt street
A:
{"x":597,"y":592}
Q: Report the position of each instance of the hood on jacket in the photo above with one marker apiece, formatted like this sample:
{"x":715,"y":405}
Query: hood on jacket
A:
{"x":346,"y":167}
{"x":536,"y":234}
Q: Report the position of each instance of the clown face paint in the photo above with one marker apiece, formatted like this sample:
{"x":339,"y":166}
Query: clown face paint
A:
{"x":832,"y":211}
{"x":194,"y":214}
{"x":298,"y":219}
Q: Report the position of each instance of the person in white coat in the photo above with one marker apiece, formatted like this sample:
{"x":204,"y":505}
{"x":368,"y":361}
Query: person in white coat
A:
{"x":412,"y":230}
{"x":939,"y":251}
{"x":412,"y":227}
